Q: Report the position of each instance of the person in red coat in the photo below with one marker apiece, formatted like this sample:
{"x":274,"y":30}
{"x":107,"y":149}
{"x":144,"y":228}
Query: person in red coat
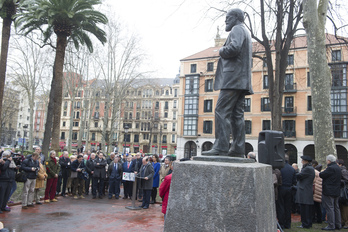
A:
{"x":164,"y":193}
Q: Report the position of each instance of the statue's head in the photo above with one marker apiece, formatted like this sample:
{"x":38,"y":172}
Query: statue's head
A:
{"x":234,"y":17}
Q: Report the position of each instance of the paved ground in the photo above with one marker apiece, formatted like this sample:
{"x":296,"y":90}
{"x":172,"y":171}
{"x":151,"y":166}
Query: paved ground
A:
{"x":87,"y":214}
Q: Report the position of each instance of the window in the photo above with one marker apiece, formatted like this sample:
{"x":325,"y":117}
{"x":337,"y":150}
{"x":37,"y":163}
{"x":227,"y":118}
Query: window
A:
{"x":174,"y":115}
{"x":126,"y":138}
{"x":137,"y":125}
{"x":127,"y":124}
{"x":208,"y":127}
{"x":130,"y":115}
{"x":74,"y":136}
{"x":208,"y":105}
{"x":166,"y":105}
{"x":309,"y":103}
{"x":247,"y":103}
{"x":95,"y":124}
{"x":165,"y":114}
{"x":173,"y":128}
{"x":191,"y":85}
{"x":164,"y":139}
{"x":96,"y":115}
{"x":76,"y":124}
{"x":93,"y":136}
{"x":290,"y":59}
{"x":247,"y":127}
{"x":191,"y":106}
{"x":97,"y":105}
{"x":64,"y":113}
{"x":27,"y":117}
{"x":64,"y":123}
{"x":266,"y":124}
{"x":210,"y":66}
{"x":338,"y":100}
{"x":62,"y":135}
{"x":174,"y":104}
{"x":165,"y":126}
{"x":289,"y":104}
{"x":339,"y":124}
{"x":190,"y":126}
{"x":265,"y":104}
{"x":339,"y":75}
{"x":173,"y":138}
{"x":193,"y":68}
{"x":208,"y":85}
{"x":289,"y":129}
{"x":289,"y":81}
{"x":154,"y":138}
{"x":308,"y":79}
{"x":125,"y":115}
{"x":136,"y":138}
{"x":265,"y":62}
{"x":265,"y":82}
{"x":65,"y":105}
{"x":309,"y":127}
{"x":175,"y":92}
{"x":167,"y":92}
{"x":336,"y":55}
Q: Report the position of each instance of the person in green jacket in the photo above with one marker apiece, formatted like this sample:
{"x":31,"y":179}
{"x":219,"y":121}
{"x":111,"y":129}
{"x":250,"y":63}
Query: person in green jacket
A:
{"x":52,"y":169}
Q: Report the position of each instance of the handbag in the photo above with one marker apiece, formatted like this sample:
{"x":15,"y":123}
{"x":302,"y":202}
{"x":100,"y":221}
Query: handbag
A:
{"x":73,"y":174}
{"x":85,"y":175}
{"x":343,"y":199}
{"x":21,"y":177}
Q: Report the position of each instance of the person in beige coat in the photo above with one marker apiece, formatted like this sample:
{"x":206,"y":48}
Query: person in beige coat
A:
{"x":40,"y":182}
{"x":317,"y":188}
{"x":165,"y":169}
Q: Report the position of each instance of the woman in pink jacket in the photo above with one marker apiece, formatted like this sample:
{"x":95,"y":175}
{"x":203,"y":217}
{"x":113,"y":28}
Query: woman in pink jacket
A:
{"x":317,"y":188}
{"x":164,"y":193}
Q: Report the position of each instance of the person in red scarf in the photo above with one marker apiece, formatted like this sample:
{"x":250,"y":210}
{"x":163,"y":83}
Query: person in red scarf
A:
{"x":164,"y":193}
{"x":52,"y":169}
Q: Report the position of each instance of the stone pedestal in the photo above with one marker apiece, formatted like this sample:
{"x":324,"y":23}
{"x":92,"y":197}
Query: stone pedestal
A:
{"x":220,"y":196}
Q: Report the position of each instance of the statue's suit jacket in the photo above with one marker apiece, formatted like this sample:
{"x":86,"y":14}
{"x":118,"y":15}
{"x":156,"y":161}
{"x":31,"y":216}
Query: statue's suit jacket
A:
{"x":234,"y":66}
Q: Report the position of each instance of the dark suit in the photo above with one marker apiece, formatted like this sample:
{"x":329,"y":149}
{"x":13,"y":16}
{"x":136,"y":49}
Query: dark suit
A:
{"x":331,"y":191}
{"x":233,"y":78}
{"x":99,"y":176}
{"x":146,"y":185}
{"x":304,"y":194}
{"x":127,"y":184}
{"x":115,"y":176}
{"x":136,"y":164}
{"x":90,"y":168}
{"x":65,"y":168}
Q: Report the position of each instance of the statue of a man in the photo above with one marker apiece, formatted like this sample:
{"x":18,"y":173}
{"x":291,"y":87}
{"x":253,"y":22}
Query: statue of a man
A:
{"x":233,"y":78}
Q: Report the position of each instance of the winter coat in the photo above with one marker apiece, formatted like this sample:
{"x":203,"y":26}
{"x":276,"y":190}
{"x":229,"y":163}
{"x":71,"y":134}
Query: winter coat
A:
{"x":156,"y":177}
{"x":147,"y":172}
{"x":318,"y":188}
{"x":331,"y":180}
{"x":41,"y":176}
{"x":164,"y":192}
{"x":27,"y":166}
{"x":163,"y":172}
{"x":52,"y":167}
{"x":344,"y":178}
{"x":118,"y":175}
{"x":6,"y":173}
{"x":100,"y":168}
{"x":75,"y":165}
{"x":304,"y":194}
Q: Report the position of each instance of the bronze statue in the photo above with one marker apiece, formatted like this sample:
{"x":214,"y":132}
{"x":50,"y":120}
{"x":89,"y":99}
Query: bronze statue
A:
{"x":233,"y":79}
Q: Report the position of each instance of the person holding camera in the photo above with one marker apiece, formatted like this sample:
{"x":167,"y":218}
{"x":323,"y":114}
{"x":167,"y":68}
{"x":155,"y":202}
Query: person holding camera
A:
{"x":78,"y":166}
{"x":7,"y":175}
{"x":31,"y":167}
{"x":52,"y":169}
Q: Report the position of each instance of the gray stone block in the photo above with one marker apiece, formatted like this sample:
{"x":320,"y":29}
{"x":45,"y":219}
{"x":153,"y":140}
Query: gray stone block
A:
{"x":219,"y":196}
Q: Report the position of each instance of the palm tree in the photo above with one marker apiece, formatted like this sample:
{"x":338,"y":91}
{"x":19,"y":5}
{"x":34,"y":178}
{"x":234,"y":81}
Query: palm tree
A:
{"x":69,"y":20}
{"x":7,"y":12}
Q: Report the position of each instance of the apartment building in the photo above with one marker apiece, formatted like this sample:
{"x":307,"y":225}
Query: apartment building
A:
{"x":196,"y":117}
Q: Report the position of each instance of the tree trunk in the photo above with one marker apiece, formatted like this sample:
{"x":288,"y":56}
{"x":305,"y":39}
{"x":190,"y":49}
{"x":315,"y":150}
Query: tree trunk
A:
{"x":5,"y":39}
{"x":31,"y":118}
{"x":314,"y":23}
{"x":58,"y":64}
{"x":71,"y":120}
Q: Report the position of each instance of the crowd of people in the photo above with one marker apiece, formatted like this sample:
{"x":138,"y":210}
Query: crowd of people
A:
{"x":78,"y":175}
{"x":312,"y":192}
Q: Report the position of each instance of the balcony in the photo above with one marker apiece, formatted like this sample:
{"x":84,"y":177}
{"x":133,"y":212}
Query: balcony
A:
{"x":290,"y":88}
{"x":289,"y":111}
{"x":289,"y":134}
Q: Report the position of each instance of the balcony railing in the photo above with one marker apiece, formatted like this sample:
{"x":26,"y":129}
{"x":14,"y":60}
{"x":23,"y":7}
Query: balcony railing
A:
{"x":289,"y":134}
{"x":289,"y":111}
{"x":290,"y":88}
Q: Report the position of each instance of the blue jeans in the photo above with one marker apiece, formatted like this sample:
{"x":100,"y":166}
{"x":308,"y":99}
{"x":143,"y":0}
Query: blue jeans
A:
{"x":13,"y":189}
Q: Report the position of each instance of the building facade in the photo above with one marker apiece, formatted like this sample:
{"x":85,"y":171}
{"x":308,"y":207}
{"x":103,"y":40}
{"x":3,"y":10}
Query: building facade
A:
{"x":196,"y":117}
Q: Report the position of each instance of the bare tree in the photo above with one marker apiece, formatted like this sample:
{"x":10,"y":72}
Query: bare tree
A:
{"x":314,"y":20}
{"x":28,"y":63}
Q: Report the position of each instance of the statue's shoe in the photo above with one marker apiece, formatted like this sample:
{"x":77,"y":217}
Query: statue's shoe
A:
{"x":232,"y":153}
{"x":213,"y":152}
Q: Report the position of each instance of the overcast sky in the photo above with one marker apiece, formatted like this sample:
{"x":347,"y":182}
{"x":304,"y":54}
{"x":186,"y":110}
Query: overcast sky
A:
{"x":170,"y":30}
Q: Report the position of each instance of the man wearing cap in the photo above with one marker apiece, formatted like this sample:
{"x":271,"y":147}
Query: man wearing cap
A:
{"x":304,"y":194}
{"x":331,"y":191}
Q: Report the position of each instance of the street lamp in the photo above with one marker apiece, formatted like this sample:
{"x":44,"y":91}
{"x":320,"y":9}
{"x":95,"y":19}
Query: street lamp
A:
{"x":24,"y":127}
{"x":126,"y":128}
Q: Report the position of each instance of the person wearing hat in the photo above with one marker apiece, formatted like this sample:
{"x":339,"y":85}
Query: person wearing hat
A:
{"x":304,"y":194}
{"x":331,"y":192}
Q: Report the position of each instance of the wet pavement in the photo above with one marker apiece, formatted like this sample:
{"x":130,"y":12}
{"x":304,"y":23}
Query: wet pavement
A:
{"x":69,"y":214}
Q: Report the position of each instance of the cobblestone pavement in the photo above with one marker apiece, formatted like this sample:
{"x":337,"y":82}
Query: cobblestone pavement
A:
{"x":69,"y":214}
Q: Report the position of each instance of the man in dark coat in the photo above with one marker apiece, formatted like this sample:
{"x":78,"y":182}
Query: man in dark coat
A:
{"x":146,"y":181}
{"x":304,"y":194}
{"x":115,"y":176}
{"x":31,"y":167}
{"x":7,"y":175}
{"x":136,"y":164}
{"x":99,"y":174}
{"x":65,"y":168}
{"x":127,"y":185}
{"x":78,"y":166}
{"x":233,"y":79}
{"x":331,"y":191}
{"x":90,"y":169}
{"x":284,"y":194}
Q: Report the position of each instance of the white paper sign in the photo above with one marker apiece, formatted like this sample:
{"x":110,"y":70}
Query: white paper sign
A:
{"x":128,"y":176}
